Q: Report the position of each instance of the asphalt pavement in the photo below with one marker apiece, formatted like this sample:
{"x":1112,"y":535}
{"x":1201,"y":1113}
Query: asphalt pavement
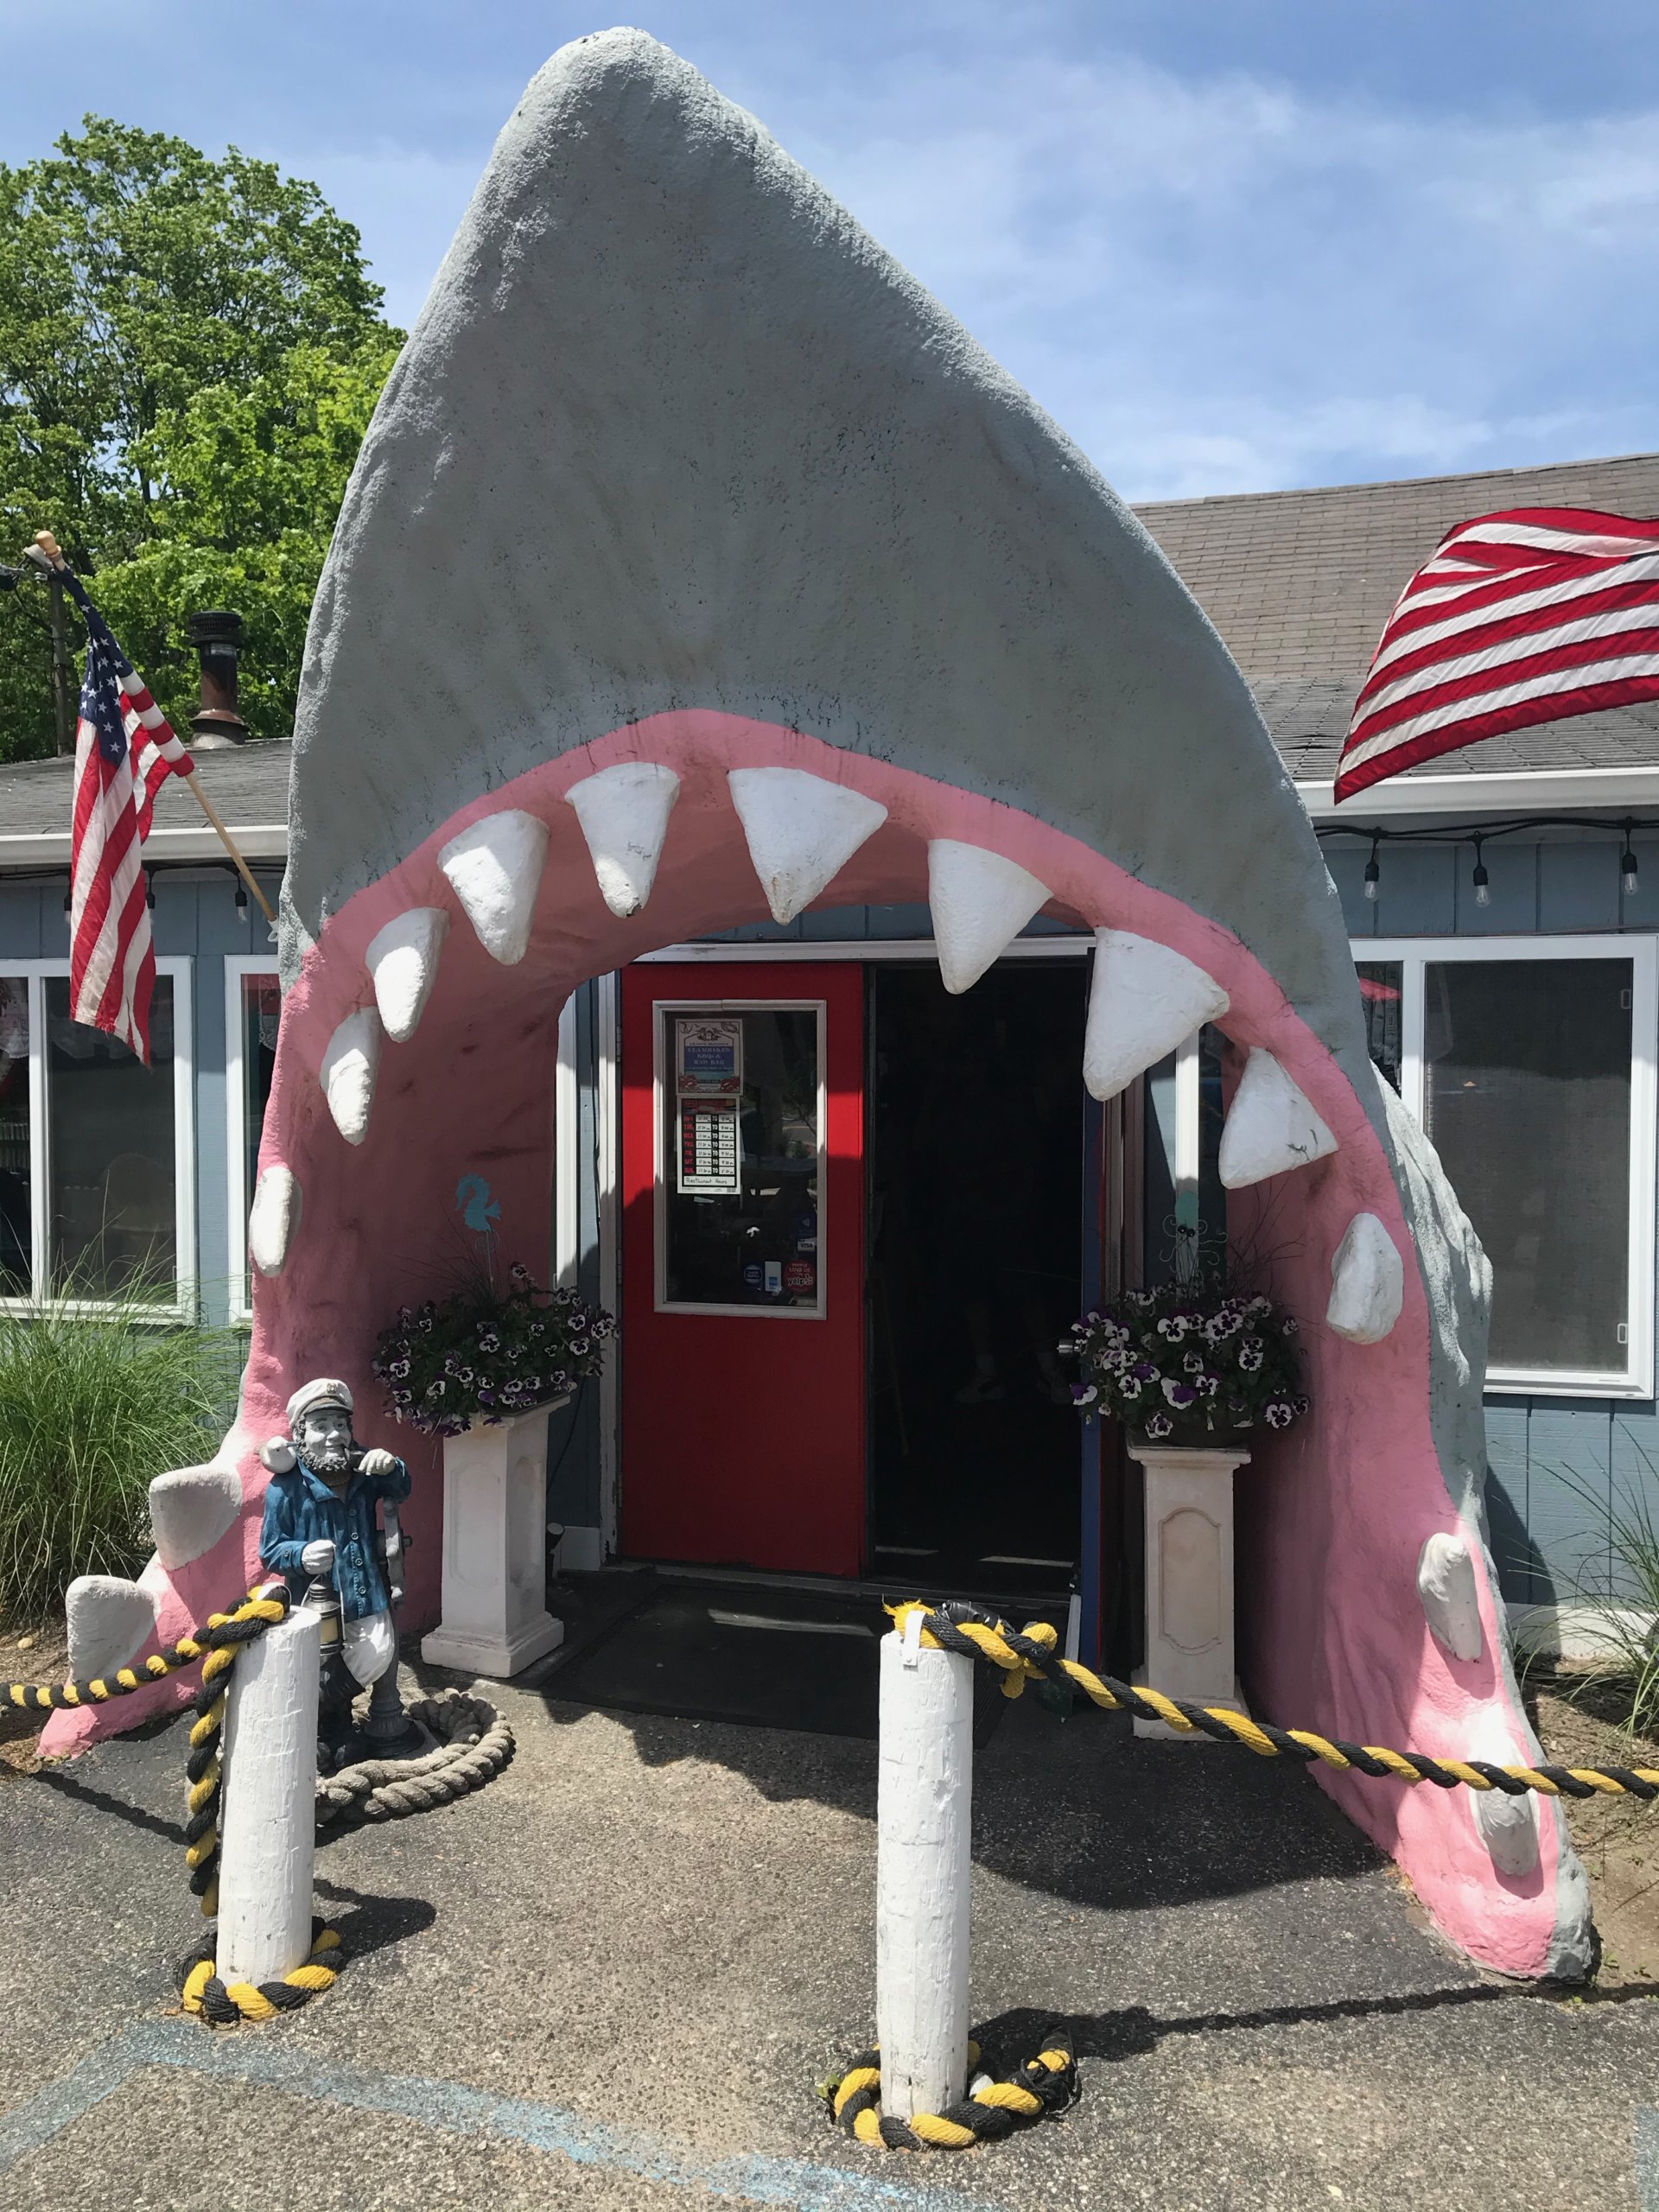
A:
{"x":612,"y":1978}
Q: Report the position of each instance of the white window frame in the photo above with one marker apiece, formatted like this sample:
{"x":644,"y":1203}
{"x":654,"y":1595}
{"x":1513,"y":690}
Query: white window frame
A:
{"x":238,"y":1198}
{"x":177,"y":968}
{"x":818,"y":1311}
{"x":1412,"y":955}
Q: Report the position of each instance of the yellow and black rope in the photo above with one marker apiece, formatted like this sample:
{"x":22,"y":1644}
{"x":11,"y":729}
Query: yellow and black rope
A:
{"x":223,"y":2004}
{"x":54,"y":1697}
{"x":1043,"y":2086}
{"x":1031,"y":1655}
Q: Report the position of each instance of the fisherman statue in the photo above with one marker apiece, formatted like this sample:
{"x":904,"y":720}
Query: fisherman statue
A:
{"x":320,"y":1535}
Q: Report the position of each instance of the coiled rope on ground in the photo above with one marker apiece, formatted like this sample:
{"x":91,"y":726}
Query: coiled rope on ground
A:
{"x":474,"y":1742}
{"x":1039,"y":2089}
{"x":1031,"y":1653}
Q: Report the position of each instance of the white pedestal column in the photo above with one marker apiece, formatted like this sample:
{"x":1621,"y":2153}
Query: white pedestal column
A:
{"x":495,"y":1617}
{"x":268,"y":1827}
{"x":1189,"y":1577}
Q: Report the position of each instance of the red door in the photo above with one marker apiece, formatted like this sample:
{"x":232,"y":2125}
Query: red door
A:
{"x":743,"y":1265}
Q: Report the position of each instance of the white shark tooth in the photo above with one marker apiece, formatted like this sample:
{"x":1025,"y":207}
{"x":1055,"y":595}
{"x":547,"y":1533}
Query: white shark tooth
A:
{"x":190,"y":1509}
{"x":1270,"y":1125}
{"x":1367,"y":1282}
{"x":495,"y":868}
{"x":1445,"y":1583}
{"x":273,"y":1218}
{"x":624,"y":814}
{"x":1507,"y":1825}
{"x":349,"y":1068}
{"x":802,"y":831}
{"x":1145,"y":1000}
{"x":403,"y":964}
{"x":109,"y":1618}
{"x":981,"y":902}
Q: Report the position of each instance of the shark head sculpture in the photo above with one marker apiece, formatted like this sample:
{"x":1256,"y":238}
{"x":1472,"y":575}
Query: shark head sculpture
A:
{"x":699,"y":565}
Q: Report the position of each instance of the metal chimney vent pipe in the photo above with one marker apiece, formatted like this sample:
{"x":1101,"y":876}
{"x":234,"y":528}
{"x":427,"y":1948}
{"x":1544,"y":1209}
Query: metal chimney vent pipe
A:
{"x":216,"y":723}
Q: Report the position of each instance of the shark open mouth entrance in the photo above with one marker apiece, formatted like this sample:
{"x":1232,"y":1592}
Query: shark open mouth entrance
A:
{"x":417,"y":1048}
{"x":698,"y":567}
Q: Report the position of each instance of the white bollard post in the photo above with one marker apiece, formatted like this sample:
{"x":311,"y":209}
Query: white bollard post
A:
{"x":268,"y":1825}
{"x":924,"y":1814}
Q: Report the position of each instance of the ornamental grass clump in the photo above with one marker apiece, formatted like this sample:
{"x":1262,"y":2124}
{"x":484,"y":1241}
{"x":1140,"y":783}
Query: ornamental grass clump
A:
{"x":483,"y":1355}
{"x":93,"y":1408}
{"x":1187,"y":1360}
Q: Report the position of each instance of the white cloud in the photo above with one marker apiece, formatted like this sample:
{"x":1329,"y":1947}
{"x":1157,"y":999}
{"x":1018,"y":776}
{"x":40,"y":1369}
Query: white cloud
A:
{"x":1228,"y":284}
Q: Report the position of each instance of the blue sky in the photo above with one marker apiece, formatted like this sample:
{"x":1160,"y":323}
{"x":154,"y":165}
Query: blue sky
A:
{"x":1231,"y":245}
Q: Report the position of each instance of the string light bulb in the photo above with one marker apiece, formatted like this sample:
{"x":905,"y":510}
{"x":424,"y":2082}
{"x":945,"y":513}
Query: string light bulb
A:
{"x":1627,"y":874}
{"x":241,"y":902}
{"x":1373,"y":872}
{"x":149,"y":887}
{"x":1483,"y":881}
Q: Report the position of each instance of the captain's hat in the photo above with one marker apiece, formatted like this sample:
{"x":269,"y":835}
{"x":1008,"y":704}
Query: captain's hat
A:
{"x":326,"y":1390}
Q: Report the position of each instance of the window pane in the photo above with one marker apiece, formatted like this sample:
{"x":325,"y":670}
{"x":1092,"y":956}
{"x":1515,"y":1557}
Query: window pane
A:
{"x":111,"y":1123}
{"x":1528,"y":1092}
{"x":262,"y":1007}
{"x":16,"y":1167}
{"x":1381,"y":993}
{"x":741,"y":1157}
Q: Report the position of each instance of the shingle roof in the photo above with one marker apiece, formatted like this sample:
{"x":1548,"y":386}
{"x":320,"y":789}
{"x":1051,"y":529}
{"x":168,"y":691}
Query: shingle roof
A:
{"x":248,"y":785}
{"x":1300,"y":584}
{"x":1308,"y":717}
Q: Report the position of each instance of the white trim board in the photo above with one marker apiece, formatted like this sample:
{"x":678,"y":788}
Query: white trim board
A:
{"x":1526,"y":791}
{"x":1576,"y":1630}
{"x":237,"y":1197}
{"x":1075,"y":946}
{"x":259,"y":841}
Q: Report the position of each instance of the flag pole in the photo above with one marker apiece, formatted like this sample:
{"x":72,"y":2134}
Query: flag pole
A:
{"x":52,"y":553}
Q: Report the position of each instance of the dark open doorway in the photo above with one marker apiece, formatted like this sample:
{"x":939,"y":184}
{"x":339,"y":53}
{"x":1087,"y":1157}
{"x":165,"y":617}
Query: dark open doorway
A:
{"x":975,"y":1149}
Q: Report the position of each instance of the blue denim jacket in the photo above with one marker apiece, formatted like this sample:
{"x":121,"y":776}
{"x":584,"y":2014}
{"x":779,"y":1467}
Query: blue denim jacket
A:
{"x":301,"y":1509}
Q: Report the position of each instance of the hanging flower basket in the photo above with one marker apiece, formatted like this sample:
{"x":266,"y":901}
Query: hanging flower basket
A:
{"x":485,"y":1356}
{"x":1187,"y":1362}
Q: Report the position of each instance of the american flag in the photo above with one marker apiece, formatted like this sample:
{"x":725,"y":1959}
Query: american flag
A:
{"x":125,"y":750}
{"x":1528,"y":616}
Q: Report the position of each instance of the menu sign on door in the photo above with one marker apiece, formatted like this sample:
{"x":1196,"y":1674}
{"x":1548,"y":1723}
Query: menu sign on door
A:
{"x":708,"y":1084}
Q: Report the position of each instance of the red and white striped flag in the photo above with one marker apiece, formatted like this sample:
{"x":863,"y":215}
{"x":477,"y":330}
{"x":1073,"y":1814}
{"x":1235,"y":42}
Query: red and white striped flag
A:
{"x":124,"y":751}
{"x":1528,"y":616}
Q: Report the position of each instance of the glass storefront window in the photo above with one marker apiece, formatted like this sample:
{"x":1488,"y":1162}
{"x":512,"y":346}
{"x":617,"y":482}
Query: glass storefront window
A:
{"x":1527,"y":1097}
{"x":16,"y":1163}
{"x":741,"y":1140}
{"x":112,"y":1200}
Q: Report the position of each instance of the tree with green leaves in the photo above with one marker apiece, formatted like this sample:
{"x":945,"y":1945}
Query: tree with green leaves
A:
{"x":190,"y":350}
